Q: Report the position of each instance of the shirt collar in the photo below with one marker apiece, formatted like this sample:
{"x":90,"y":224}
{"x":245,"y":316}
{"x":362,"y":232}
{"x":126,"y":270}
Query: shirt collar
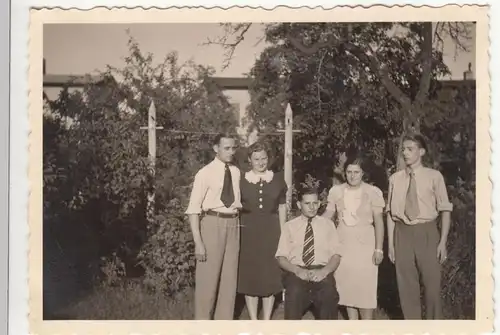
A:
{"x":305,"y":218}
{"x":218,"y":162}
{"x":414,"y":169}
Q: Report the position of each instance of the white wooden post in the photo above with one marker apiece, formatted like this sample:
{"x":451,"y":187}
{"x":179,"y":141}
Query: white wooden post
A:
{"x":288,"y":154}
{"x":152,"y":159}
{"x":288,"y":159}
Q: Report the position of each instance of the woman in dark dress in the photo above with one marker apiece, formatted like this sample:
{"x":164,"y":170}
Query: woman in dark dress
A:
{"x":263,"y":196}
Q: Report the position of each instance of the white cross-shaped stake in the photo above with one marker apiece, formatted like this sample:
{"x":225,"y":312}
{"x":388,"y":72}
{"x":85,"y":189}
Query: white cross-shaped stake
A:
{"x":289,"y":152}
{"x":152,"y":156}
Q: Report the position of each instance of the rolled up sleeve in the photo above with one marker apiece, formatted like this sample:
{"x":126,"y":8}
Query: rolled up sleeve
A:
{"x":284,"y":247}
{"x":443,"y":204}
{"x":197,"y":194}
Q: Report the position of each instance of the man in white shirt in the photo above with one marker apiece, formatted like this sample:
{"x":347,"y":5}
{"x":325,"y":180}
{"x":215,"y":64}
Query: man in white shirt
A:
{"x":309,"y":251}
{"x":213,"y":215}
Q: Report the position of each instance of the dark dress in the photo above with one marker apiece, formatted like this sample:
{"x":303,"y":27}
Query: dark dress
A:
{"x":259,"y":273}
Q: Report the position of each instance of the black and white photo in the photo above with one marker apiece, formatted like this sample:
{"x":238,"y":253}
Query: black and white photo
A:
{"x":284,"y":169}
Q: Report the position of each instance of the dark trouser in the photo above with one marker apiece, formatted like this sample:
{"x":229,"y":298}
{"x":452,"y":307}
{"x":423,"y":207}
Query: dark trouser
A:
{"x":416,"y":257}
{"x":300,"y":294}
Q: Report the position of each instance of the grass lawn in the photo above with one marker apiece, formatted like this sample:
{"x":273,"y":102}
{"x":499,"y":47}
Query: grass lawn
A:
{"x":134,"y":302}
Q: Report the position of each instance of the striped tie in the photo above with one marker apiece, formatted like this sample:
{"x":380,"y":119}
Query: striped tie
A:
{"x":308,"y":253}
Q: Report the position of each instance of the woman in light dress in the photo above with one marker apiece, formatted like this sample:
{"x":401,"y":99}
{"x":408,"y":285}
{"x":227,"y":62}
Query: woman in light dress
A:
{"x":359,"y":207}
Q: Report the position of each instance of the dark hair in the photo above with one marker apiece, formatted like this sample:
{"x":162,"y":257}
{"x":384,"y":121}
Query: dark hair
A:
{"x":306,"y":191}
{"x":417,"y":138}
{"x":356,"y":159}
{"x":257,"y":147}
{"x":219,"y":136}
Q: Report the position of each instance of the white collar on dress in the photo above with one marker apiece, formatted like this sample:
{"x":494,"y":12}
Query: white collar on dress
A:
{"x":254,"y":178}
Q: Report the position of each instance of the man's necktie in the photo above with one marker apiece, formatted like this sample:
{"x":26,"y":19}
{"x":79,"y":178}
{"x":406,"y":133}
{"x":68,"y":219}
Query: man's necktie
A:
{"x":411,"y":205}
{"x":227,"y":195}
{"x":308,"y":251}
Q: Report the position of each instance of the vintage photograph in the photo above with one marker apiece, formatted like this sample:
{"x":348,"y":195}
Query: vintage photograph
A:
{"x":280,"y":170}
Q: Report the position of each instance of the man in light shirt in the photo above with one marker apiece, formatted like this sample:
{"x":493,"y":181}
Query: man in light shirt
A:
{"x":309,"y":252}
{"x":213,"y":215}
{"x":417,"y":199}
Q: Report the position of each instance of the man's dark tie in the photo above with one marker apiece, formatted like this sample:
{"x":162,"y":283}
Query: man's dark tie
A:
{"x":308,"y":251}
{"x":227,"y":195}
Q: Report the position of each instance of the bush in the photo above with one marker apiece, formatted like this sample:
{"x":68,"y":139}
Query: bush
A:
{"x":113,"y":270}
{"x":167,"y":256}
{"x":459,"y":272}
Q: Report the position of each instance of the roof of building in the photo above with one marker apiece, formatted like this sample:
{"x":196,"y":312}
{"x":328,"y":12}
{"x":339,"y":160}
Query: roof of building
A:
{"x":233,"y":83}
{"x":226,"y":83}
{"x":60,"y":80}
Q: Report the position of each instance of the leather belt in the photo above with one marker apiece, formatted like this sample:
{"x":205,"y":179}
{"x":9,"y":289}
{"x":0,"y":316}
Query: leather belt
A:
{"x":417,"y":224}
{"x":312,"y":267}
{"x":222,"y":215}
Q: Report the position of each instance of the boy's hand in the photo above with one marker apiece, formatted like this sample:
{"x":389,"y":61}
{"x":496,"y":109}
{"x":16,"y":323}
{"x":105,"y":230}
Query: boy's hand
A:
{"x":302,"y":273}
{"x":318,"y":275}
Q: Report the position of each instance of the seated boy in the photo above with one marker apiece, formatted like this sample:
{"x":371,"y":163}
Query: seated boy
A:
{"x":309,"y":252}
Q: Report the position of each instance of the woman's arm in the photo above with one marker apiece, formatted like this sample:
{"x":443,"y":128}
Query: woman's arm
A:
{"x":330,"y":206}
{"x":378,"y":253}
{"x":378,"y":205}
{"x":378,"y":221}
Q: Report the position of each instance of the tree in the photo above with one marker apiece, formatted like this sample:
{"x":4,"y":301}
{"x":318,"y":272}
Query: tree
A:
{"x":402,"y":59}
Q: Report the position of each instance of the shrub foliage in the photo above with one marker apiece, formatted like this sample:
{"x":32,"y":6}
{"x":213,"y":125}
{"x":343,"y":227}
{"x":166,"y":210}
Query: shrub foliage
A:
{"x":96,"y":176}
